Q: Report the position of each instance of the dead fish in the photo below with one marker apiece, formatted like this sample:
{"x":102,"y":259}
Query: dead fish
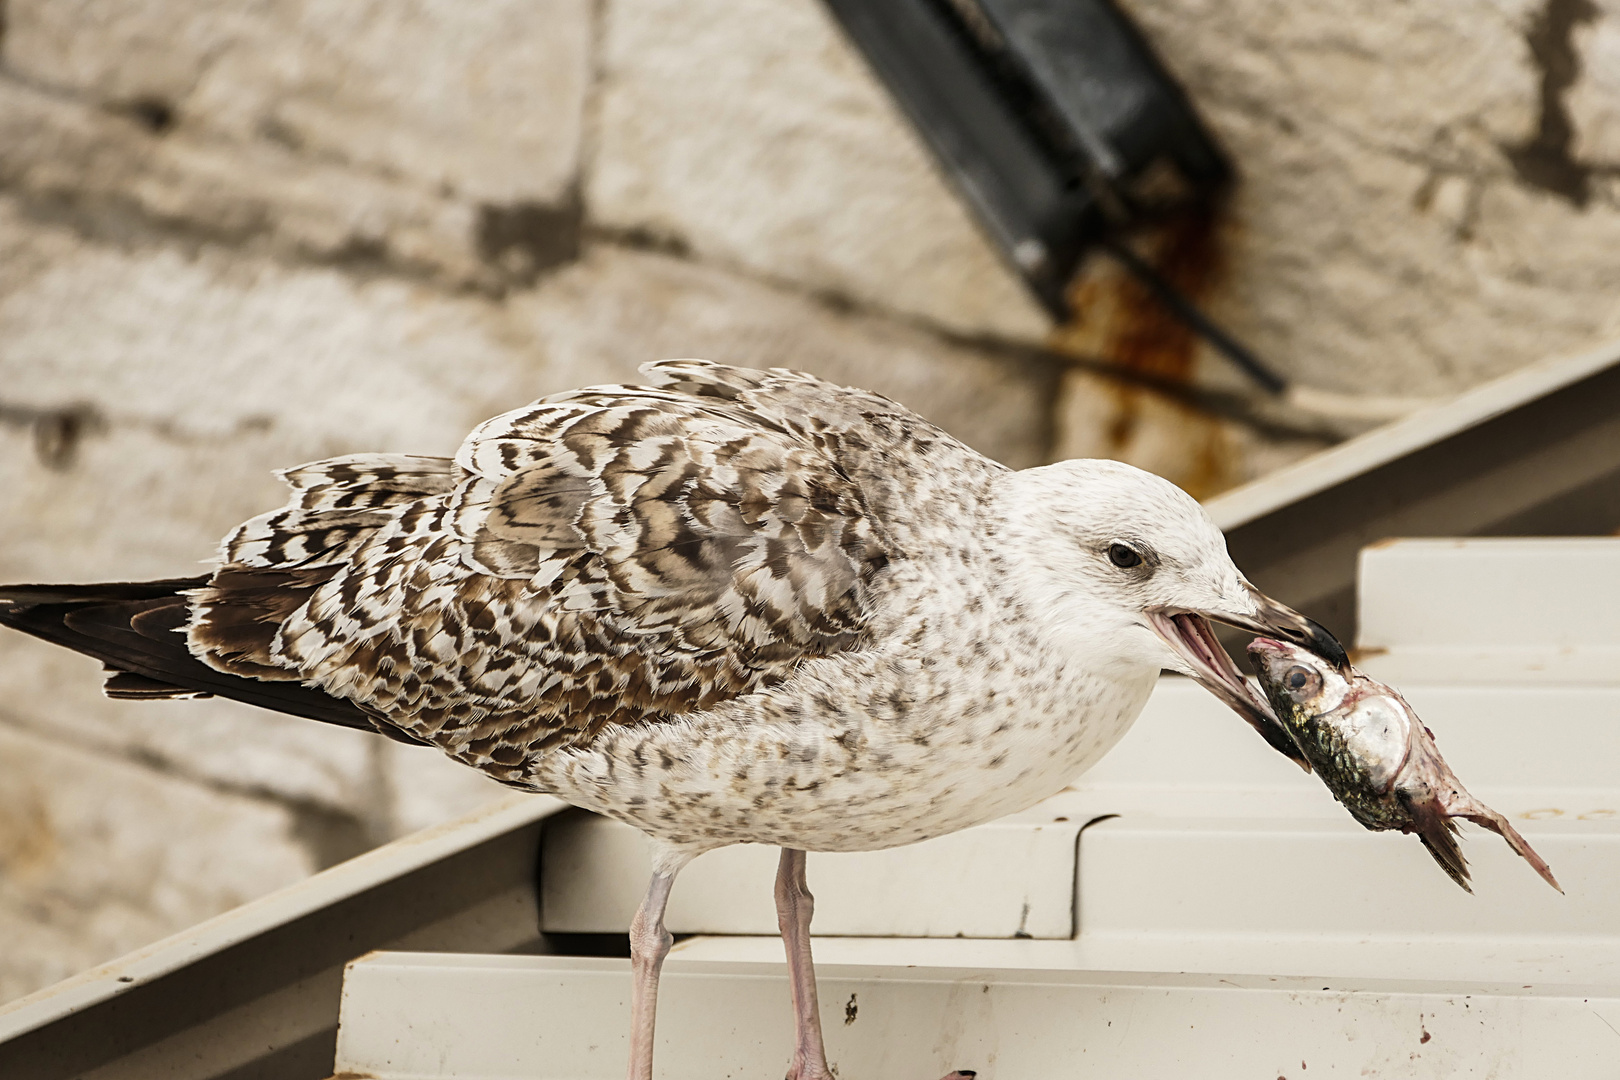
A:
{"x":1375,"y":755}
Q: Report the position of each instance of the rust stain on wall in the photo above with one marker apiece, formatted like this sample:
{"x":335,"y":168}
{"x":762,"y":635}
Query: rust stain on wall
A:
{"x":28,"y":843}
{"x":1120,"y":322}
{"x":1140,"y":334}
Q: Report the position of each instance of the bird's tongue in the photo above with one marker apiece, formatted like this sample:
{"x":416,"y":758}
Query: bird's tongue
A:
{"x":1211,"y":659}
{"x":1193,"y":638}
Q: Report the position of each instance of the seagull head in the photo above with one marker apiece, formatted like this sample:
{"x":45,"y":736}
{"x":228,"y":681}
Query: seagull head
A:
{"x":1131,"y":569}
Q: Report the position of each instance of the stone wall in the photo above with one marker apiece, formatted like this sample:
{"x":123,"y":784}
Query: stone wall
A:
{"x":235,"y":237}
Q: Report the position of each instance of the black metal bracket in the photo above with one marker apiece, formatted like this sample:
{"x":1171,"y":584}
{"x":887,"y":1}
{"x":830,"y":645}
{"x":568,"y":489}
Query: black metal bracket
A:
{"x":1058,"y":125}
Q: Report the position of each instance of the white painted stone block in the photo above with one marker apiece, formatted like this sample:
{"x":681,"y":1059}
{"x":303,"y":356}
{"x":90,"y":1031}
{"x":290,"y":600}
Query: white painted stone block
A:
{"x":206,"y":373}
{"x":119,"y":181}
{"x":485,"y":99}
{"x":1380,"y":240}
{"x":614,"y":310}
{"x":755,"y":135}
{"x":1594,"y":100}
{"x":98,"y":856}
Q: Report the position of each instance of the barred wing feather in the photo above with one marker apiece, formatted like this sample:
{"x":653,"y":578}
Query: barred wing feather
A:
{"x":607,"y":556}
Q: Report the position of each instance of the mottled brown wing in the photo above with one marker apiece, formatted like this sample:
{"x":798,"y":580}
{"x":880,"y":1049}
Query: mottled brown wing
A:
{"x":612,"y":555}
{"x":908,"y":471}
{"x":272,"y":564}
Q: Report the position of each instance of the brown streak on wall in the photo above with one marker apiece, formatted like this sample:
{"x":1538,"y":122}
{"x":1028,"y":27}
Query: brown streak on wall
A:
{"x":1121,"y":323}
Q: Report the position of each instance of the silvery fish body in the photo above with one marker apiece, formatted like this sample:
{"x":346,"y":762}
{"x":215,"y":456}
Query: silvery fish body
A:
{"x":1375,"y":755}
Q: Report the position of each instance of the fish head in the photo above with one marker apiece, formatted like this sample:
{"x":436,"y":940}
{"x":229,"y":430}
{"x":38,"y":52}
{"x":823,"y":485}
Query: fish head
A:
{"x":1354,"y":730}
{"x":1185,"y":626}
{"x":1297,"y":683}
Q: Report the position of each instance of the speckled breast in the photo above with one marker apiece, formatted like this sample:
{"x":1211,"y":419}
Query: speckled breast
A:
{"x":874,"y":766}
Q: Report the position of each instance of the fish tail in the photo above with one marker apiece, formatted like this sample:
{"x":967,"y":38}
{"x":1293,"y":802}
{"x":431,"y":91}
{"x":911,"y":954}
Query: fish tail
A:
{"x":1499,"y":825}
{"x":1439,"y":834}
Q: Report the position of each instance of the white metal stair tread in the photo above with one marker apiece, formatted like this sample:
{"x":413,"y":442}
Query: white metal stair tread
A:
{"x":1489,"y":611}
{"x":1008,"y":878}
{"x":1448,"y":959}
{"x":412,"y":1016}
{"x":1301,"y":878}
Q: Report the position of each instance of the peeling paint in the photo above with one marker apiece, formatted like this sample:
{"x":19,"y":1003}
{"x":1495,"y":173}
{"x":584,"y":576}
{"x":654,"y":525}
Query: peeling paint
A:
{"x":57,"y":431}
{"x":1546,"y":160}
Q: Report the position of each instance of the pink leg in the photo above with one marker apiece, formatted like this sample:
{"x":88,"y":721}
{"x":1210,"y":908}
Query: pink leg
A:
{"x":649,"y":944}
{"x":794,"y":909}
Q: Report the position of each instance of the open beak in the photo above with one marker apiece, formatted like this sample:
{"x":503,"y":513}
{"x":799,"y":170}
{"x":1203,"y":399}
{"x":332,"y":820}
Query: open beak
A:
{"x":1189,"y":634}
{"x":1281,"y":621}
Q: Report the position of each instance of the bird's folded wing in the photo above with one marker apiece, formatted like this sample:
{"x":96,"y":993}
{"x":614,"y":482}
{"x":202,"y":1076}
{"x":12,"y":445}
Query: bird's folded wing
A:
{"x":604,"y":556}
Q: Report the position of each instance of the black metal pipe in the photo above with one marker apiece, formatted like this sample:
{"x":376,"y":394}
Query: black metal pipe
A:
{"x":1188,"y":312}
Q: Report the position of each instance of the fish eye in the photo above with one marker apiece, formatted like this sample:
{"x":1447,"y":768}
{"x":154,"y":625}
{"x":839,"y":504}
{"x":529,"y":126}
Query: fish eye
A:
{"x":1301,"y":681}
{"x":1124,"y":556}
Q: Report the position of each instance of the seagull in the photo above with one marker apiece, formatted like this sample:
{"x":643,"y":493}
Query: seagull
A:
{"x":729,"y":606}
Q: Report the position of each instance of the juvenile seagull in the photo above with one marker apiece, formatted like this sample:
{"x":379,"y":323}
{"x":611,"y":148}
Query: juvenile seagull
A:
{"x":736,"y":606}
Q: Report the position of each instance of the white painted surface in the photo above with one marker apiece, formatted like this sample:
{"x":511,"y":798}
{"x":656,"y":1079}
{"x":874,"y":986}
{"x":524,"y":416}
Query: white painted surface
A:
{"x":1454,"y":960}
{"x":1014,"y":877}
{"x":1391,"y":441}
{"x":1254,"y":877}
{"x":414,"y":1016}
{"x":1543,"y":592}
{"x":1492,"y":610}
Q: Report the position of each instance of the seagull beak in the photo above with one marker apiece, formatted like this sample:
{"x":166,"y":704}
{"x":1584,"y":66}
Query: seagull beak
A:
{"x":1192,"y":639}
{"x":1272,"y":619}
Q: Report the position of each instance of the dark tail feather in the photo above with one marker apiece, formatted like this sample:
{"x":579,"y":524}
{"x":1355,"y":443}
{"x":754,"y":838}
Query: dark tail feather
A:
{"x":128,"y":686}
{"x":136,"y":629}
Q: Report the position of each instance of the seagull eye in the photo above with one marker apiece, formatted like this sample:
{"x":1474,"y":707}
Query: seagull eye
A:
{"x":1123,"y":556}
{"x":1301,"y":681}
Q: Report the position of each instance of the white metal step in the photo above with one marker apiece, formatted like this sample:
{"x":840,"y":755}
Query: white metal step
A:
{"x":1295,"y":879}
{"x":1011,"y":878}
{"x":1306,"y":896}
{"x":1454,"y":960}
{"x":413,"y":1016}
{"x":1494,"y":610}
